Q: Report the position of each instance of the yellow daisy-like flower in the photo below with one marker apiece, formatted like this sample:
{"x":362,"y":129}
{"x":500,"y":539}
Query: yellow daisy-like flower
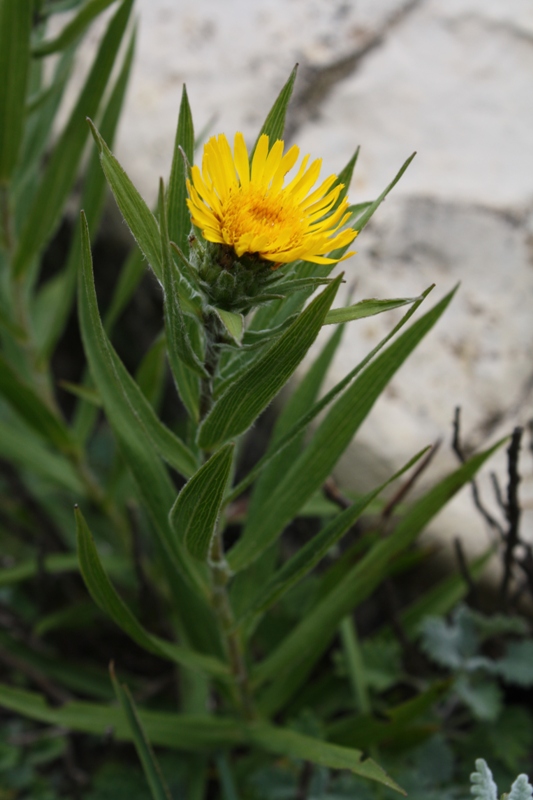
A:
{"x":248,"y":208}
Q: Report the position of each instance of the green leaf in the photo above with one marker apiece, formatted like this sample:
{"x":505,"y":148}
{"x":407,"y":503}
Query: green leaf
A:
{"x":130,"y":276}
{"x":345,"y":177}
{"x":484,"y":697}
{"x":89,"y":11}
{"x":330,"y":440}
{"x":151,"y":372}
{"x":106,"y":598}
{"x":134,"y":423}
{"x":88,"y":680}
{"x":189,"y":732}
{"x":290,"y":743}
{"x":55,"y":564}
{"x":136,"y":213}
{"x":54,"y":302}
{"x":179,"y":221}
{"x":313,"y":634}
{"x":515,"y":666}
{"x":244,"y":400}
{"x":26,"y":402}
{"x":365,"y":217}
{"x":316,"y":548}
{"x":27,"y":450}
{"x":233,"y":323}
{"x":86,"y":393}
{"x":366,"y":308}
{"x":152,"y":772}
{"x":195,"y":513}
{"x":178,"y":341}
{"x":275,"y":122}
{"x":440,"y":600}
{"x":15,"y":30}
{"x":308,"y":416}
{"x":61,"y":170}
{"x":121,"y":396}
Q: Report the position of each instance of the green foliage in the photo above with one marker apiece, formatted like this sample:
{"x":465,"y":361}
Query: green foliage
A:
{"x":225,"y":626}
{"x":456,"y":646}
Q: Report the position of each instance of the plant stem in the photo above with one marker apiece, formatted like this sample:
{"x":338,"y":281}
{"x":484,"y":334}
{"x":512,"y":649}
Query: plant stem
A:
{"x":220,"y":575}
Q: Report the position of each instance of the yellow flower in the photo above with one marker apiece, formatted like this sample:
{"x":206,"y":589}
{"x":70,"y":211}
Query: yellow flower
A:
{"x":249,"y":208}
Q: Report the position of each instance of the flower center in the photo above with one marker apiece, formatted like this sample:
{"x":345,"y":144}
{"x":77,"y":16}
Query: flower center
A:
{"x":251,"y":215}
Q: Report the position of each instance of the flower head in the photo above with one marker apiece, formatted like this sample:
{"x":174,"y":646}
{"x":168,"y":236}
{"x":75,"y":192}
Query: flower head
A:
{"x":247,"y":207}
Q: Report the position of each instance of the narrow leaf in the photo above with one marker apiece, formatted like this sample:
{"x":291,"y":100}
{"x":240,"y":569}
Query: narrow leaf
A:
{"x":15,"y":30}
{"x":330,"y":440}
{"x":365,"y":308}
{"x":313,"y":634}
{"x":244,"y":400}
{"x":195,"y":513}
{"x":316,"y":548}
{"x":133,"y":208}
{"x":106,"y":598}
{"x":290,"y":743}
{"x":188,"y":732}
{"x":345,"y":176}
{"x":275,"y":122}
{"x":26,"y":449}
{"x":131,"y":417}
{"x":87,"y":13}
{"x":365,"y":217}
{"x":308,"y":416}
{"x":27,"y":403}
{"x":62,"y":168}
{"x":178,"y":341}
{"x":116,"y":386}
{"x":152,"y":772}
{"x":179,"y":221}
{"x":54,"y":302}
{"x":301,"y":400}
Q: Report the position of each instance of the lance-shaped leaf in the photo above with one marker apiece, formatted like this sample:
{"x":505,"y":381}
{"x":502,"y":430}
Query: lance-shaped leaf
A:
{"x":313,"y":634}
{"x":286,"y":742}
{"x":189,"y":732}
{"x":365,"y":217}
{"x":23,"y":447}
{"x":178,"y":341}
{"x":316,"y":548}
{"x":53,"y":302}
{"x":116,"y":386}
{"x":61,"y":169}
{"x":365,"y":308}
{"x":275,"y":122}
{"x":244,"y":400}
{"x":195,"y":513}
{"x":136,"y":213}
{"x":105,"y":596}
{"x":15,"y":30}
{"x":179,"y":220}
{"x":330,"y":440}
{"x":75,"y":28}
{"x":27,"y":403}
{"x":152,"y":772}
{"x":281,"y":443}
{"x":138,"y":449}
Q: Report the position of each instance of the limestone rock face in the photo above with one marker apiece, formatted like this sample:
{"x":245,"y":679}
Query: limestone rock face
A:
{"x":451,"y":80}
